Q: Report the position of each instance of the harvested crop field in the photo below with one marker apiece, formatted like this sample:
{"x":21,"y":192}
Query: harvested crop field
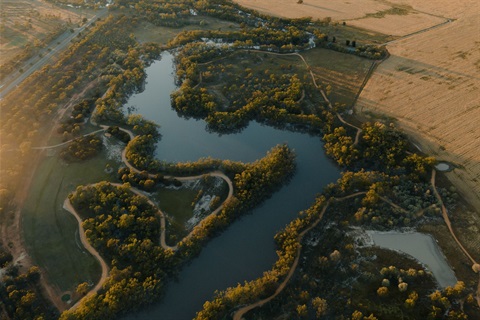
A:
{"x":397,"y":24}
{"x":396,"y":18}
{"x":445,"y":8}
{"x":317,"y":9}
{"x":431,"y":84}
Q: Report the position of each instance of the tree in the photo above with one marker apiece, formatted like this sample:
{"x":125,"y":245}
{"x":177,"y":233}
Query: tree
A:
{"x":320,"y":306}
{"x":302,"y":311}
{"x":382,"y":291}
{"x":83,"y":288}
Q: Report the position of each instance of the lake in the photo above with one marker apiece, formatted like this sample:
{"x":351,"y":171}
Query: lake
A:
{"x":246,"y":249}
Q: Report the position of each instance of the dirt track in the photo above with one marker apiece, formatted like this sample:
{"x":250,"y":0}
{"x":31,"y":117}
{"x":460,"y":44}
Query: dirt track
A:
{"x":240,"y":312}
{"x":68,"y":206}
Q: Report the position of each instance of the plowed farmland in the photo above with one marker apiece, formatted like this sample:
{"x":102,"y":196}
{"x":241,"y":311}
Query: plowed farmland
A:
{"x":431,"y":82}
{"x":431,"y":85}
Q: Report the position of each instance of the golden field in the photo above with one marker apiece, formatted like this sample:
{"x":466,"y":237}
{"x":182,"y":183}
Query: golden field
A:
{"x":431,"y":81}
{"x":431,"y":85}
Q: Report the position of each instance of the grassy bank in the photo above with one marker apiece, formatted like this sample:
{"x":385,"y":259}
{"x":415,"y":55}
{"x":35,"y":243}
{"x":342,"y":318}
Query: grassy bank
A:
{"x":50,"y":232}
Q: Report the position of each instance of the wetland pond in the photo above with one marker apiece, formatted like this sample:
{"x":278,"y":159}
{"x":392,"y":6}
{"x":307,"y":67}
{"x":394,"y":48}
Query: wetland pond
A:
{"x":420,"y":246}
{"x":246,"y":249}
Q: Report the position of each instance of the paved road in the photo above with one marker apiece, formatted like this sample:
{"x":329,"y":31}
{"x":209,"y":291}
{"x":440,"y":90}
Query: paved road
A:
{"x":57,"y":45}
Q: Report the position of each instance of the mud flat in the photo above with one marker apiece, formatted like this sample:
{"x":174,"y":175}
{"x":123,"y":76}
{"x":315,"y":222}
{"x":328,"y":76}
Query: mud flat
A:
{"x":420,"y":246}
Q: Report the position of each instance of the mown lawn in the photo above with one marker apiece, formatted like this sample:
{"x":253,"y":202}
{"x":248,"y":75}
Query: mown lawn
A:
{"x":50,"y":232}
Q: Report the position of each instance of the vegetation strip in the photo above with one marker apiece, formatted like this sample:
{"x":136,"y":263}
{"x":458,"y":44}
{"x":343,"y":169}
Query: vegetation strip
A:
{"x":238,"y":315}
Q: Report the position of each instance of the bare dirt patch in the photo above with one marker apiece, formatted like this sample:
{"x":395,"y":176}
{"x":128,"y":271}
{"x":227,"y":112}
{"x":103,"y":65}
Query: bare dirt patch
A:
{"x":431,"y":85}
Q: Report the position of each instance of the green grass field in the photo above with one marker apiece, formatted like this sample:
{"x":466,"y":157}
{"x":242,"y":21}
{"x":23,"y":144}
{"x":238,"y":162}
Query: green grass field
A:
{"x":177,"y":204}
{"x":147,"y":32}
{"x":50,"y":232}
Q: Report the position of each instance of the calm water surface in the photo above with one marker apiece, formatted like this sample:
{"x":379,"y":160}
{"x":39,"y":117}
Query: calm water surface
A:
{"x":246,"y":249}
{"x":420,"y":246}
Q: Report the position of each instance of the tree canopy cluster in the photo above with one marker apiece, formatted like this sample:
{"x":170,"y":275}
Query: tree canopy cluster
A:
{"x":380,"y":147}
{"x":240,"y":94}
{"x":124,"y":228}
{"x":82,"y":149}
{"x":20,"y":293}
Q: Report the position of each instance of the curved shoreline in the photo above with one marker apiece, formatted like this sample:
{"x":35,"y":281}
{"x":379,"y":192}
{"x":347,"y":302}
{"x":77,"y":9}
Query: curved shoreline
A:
{"x":240,"y":312}
{"x":105,"y":269}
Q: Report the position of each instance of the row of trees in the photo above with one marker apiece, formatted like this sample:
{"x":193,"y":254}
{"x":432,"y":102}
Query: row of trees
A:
{"x":145,"y":181}
{"x":92,"y":57}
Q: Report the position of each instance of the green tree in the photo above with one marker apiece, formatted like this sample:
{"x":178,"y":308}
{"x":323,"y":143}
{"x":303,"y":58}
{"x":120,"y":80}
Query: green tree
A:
{"x":83,"y":288}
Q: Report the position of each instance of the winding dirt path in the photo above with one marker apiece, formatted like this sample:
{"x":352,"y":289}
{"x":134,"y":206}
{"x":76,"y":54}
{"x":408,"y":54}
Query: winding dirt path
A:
{"x":325,"y":98}
{"x":161,"y":214}
{"x":67,"y":205}
{"x":447,"y":219}
{"x":330,"y":106}
{"x":105,"y":269}
{"x":449,"y":226}
{"x":240,"y":312}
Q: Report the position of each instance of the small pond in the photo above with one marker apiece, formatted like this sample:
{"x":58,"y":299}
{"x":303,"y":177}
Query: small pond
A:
{"x":422,"y":247}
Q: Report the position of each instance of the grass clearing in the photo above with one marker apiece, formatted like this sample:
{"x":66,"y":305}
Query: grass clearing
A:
{"x":50,"y":232}
{"x":148,"y":32}
{"x":186,"y":206}
{"x":343,"y":72}
{"x":177,"y":205}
